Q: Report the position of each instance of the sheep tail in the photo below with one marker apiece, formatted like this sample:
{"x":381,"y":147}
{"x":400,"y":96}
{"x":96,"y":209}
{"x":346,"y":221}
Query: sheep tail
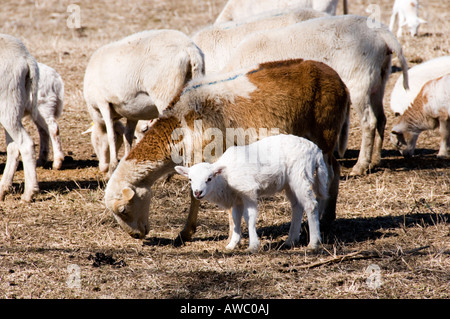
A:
{"x":343,"y":134}
{"x":197,"y":61}
{"x":395,"y":46}
{"x":32,"y":83}
{"x":321,"y":177}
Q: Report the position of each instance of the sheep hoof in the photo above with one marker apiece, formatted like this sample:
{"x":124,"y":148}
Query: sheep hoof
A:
{"x":313,"y":248}
{"x":358,"y":170}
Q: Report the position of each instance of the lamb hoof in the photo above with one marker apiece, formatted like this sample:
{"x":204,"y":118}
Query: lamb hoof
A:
{"x":313,"y":248}
{"x":57,"y":164}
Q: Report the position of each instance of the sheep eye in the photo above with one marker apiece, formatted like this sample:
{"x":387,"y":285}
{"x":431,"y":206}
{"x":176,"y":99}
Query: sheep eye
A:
{"x":208,"y":180}
{"x":121,"y":210}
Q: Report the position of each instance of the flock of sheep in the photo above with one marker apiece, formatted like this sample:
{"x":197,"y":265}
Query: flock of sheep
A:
{"x":288,"y":64}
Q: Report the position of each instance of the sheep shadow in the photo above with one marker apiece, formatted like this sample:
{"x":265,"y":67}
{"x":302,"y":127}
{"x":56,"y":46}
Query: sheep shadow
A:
{"x":355,"y":230}
{"x":391,"y":159}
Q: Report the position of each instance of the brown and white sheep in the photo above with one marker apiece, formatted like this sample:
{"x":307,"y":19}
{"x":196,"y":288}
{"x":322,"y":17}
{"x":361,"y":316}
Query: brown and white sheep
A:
{"x":304,"y":98}
{"x":354,"y":46}
{"x":430,"y":109}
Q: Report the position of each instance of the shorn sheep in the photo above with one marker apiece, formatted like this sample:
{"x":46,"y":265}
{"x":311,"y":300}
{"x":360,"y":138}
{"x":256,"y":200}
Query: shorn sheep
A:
{"x":49,"y":109}
{"x":245,"y":173}
{"x":135,"y":78}
{"x":303,"y":98}
{"x":19,"y":80}
{"x":430,"y":109}
{"x":407,"y":12}
{"x":242,"y":9}
{"x":358,"y":49}
{"x":218,"y":41}
{"x":418,"y":75}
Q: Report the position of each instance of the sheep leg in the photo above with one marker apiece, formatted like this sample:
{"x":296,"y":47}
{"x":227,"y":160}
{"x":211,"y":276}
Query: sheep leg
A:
{"x":311,"y":208}
{"x":129,"y":135}
{"x":237,"y":212}
{"x":44,"y":138}
{"x":444,"y":130}
{"x":18,"y":135}
{"x":230,"y":224}
{"x":12,"y":161}
{"x":297,"y":216}
{"x":250,"y":216}
{"x":327,"y":207}
{"x":191,"y":222}
{"x":368,"y":126}
{"x":377,"y":106}
{"x":109,"y":123}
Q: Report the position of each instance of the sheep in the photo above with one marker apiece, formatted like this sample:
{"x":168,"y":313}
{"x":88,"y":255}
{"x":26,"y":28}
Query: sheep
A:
{"x":49,"y":109}
{"x":430,"y":109}
{"x":418,"y":76}
{"x":135,"y":78}
{"x":358,"y":51}
{"x":304,"y":98}
{"x":242,"y":9}
{"x":408,"y":14}
{"x":244,"y":173}
{"x":218,"y":41}
{"x":19,"y":78}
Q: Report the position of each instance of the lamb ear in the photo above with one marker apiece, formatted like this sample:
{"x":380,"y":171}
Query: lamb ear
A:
{"x":422,"y":20}
{"x":219,"y":170}
{"x":127,"y":193}
{"x":396,"y":133}
{"x":182,"y":170}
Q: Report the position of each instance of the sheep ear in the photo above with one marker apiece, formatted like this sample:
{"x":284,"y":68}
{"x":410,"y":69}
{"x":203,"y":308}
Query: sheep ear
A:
{"x":89,"y":130}
{"x":422,"y":20}
{"x":127,"y":194}
{"x":182,"y":170}
{"x":219,"y":170}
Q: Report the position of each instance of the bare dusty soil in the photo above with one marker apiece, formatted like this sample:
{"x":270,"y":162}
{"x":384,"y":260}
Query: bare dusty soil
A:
{"x":391,"y":238}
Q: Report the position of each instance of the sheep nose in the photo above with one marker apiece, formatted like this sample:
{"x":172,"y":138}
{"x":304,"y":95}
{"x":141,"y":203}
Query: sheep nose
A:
{"x":197,"y":193}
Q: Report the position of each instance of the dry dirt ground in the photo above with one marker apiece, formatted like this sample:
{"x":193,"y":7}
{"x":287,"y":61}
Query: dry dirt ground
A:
{"x":391,"y":238}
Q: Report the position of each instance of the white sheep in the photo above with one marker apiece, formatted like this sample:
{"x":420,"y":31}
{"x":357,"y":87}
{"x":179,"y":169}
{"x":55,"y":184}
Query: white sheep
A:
{"x":49,"y":109}
{"x":218,"y":41}
{"x":359,"y":51}
{"x":242,"y":9}
{"x":19,"y":78}
{"x":418,"y":75}
{"x":408,"y":14}
{"x":268,"y":166}
{"x":136,"y":78}
{"x":430,"y":109}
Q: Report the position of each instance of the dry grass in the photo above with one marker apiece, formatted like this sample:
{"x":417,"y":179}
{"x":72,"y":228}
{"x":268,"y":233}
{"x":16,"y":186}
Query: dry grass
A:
{"x":396,"y":217}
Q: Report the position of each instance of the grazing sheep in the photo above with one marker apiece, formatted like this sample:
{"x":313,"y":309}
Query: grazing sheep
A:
{"x":358,"y":51}
{"x":245,"y":173}
{"x":304,"y":98}
{"x":243,"y":9}
{"x":408,"y":14}
{"x":19,"y":78}
{"x":417,"y":77}
{"x":136,"y":78}
{"x":49,"y":109}
{"x":430,"y":109}
{"x":218,"y":41}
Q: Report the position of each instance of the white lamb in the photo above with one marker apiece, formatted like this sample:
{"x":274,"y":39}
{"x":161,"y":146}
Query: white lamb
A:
{"x":242,"y":9}
{"x":218,"y":41}
{"x":135,"y":78}
{"x":418,"y":75}
{"x":359,"y":51}
{"x":49,"y":109}
{"x":19,"y":78}
{"x":244,"y":173}
{"x":408,"y":14}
